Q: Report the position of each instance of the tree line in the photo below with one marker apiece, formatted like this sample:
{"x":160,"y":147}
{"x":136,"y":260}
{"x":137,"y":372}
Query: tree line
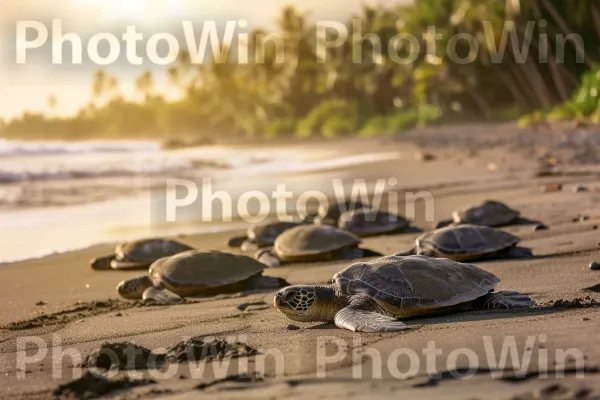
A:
{"x":493,"y":60}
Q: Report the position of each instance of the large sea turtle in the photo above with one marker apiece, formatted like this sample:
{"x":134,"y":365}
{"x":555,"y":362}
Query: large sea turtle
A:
{"x":487,"y":213}
{"x":373,"y":296}
{"x":469,"y":243}
{"x":262,"y":235}
{"x":195,"y":273}
{"x":367,"y":222}
{"x":330,"y":214}
{"x":139,"y":254}
{"x":313,"y":243}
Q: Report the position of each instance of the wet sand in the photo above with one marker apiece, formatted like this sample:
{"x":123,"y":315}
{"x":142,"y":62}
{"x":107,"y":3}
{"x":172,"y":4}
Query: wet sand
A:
{"x":60,"y":297}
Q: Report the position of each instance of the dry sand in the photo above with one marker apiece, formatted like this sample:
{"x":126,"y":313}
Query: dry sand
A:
{"x":74,"y":307}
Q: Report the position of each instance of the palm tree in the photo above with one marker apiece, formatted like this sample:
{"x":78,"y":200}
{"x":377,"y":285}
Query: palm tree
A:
{"x":144,"y":84}
{"x":99,"y":85}
{"x":52,"y":103}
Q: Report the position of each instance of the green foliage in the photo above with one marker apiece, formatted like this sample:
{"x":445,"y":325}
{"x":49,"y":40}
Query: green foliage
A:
{"x":389,"y":124}
{"x":335,"y":97}
{"x":281,"y":127}
{"x":339,"y":126}
{"x":327,"y":120}
{"x":585,"y":103}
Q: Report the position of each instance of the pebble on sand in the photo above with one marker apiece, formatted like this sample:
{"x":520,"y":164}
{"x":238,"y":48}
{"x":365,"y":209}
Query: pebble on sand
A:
{"x":540,"y":227}
{"x":552,"y":187}
{"x":492,"y":166}
{"x":595,"y":266}
{"x":579,"y":189}
{"x":422,"y":156}
{"x":292,"y":327}
{"x":581,"y":218}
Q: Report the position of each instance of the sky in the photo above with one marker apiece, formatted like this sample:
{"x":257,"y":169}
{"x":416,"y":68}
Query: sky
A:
{"x":29,"y":84}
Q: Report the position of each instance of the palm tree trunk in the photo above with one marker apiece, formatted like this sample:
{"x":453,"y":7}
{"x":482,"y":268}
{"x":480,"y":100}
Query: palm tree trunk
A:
{"x":512,"y":87}
{"x":595,"y":18}
{"x":566,"y":30}
{"x":558,"y":82}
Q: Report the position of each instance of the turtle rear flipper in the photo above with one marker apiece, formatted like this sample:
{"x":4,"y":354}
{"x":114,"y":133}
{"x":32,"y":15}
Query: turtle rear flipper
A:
{"x":370,"y":253}
{"x":102,"y":263}
{"x":358,"y":317}
{"x":443,"y":223}
{"x":518,"y":253}
{"x":410,"y":252}
{"x":503,"y":301}
{"x":268,"y":283}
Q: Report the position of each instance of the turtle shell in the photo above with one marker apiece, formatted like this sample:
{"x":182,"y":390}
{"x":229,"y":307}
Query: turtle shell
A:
{"x":467,"y":240}
{"x":306,"y":241}
{"x":149,"y":250}
{"x":196,"y":272}
{"x":331,"y":214}
{"x":366,"y":222}
{"x":488,"y":213}
{"x":407,"y":286}
{"x":265,"y":235}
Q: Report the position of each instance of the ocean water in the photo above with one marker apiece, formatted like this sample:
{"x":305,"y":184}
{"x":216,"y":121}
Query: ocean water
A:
{"x":60,"y":196}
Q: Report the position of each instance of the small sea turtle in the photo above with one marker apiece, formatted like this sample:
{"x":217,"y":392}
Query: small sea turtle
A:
{"x":468,"y":243}
{"x":260,"y":236}
{"x":373,"y":296}
{"x":195,"y":273}
{"x":366,"y":222}
{"x":139,"y":254}
{"x":488,"y":213}
{"x":313,"y":243}
{"x":330,"y":215}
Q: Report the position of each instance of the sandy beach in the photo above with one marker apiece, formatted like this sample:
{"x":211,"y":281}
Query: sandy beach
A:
{"x":58,"y":303}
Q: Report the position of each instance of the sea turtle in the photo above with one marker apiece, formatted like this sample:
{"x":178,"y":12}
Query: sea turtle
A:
{"x":139,"y":254}
{"x":488,"y":213}
{"x":262,"y":235}
{"x":367,"y":222}
{"x":194,"y":273}
{"x":373,"y":296}
{"x":313,"y":243}
{"x":330,"y":214}
{"x":468,"y":243}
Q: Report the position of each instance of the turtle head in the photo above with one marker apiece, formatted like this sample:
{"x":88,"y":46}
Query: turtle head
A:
{"x":102,"y":262}
{"x":307,"y":303}
{"x":133,"y":289}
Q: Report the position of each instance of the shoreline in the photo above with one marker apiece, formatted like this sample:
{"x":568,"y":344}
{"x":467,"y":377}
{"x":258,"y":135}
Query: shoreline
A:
{"x":60,"y":296}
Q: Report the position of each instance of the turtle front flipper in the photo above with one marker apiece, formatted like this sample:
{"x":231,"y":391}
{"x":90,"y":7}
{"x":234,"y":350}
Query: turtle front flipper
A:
{"x":503,"y":301}
{"x":125,"y":264}
{"x":102,"y":263}
{"x":269,"y":258}
{"x":249,"y":245}
{"x":237,"y":241}
{"x":360,"y":316}
{"x":156,"y":295}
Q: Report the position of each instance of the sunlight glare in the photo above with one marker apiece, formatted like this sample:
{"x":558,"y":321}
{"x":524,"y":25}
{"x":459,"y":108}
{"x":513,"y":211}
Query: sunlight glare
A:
{"x":133,"y":8}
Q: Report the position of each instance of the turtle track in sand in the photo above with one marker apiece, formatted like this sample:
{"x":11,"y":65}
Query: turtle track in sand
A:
{"x":79,"y":311}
